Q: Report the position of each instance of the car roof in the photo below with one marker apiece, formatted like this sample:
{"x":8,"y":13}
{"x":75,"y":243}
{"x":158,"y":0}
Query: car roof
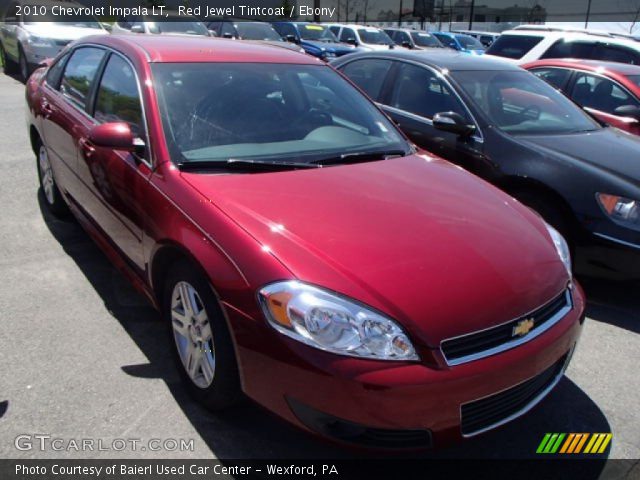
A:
{"x":591,"y":65}
{"x":176,"y":49}
{"x":439,"y":59}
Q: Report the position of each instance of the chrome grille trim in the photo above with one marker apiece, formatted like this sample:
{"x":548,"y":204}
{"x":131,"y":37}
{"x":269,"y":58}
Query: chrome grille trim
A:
{"x":514,"y":342}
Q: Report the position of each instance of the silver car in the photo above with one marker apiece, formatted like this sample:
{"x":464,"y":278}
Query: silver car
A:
{"x":36,"y":34}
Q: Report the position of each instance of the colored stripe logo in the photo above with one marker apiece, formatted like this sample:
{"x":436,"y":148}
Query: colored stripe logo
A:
{"x":568,"y":443}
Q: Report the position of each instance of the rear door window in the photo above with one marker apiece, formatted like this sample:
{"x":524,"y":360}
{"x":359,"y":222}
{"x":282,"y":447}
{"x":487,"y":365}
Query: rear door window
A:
{"x":347,"y":34}
{"x":513,"y":46}
{"x":79,"y":74}
{"x":369,"y":75}
{"x":615,"y":53}
{"x":571,"y":49}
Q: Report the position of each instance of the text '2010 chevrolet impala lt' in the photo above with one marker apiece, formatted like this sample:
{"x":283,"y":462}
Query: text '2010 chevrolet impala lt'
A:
{"x":304,"y":254}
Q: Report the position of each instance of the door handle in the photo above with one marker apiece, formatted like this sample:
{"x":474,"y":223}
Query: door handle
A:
{"x":46,"y":107}
{"x":86,"y":147}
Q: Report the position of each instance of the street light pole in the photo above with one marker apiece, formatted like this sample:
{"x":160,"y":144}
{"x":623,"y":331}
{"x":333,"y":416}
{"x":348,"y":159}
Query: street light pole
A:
{"x":473,"y":3}
{"x":586,"y":20}
{"x":400,"y":15}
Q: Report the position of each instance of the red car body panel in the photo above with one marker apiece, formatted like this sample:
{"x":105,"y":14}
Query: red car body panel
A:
{"x":617,"y":72}
{"x":435,"y":248}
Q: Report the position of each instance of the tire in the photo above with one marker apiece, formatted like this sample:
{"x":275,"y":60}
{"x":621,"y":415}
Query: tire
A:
{"x":200,"y":338}
{"x":10,"y":66}
{"x":23,"y":65}
{"x":52,"y":196}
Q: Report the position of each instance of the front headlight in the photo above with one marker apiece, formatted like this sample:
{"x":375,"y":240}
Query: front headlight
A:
{"x":333,"y":323}
{"x":35,"y":41}
{"x":621,"y":210}
{"x":561,"y":246}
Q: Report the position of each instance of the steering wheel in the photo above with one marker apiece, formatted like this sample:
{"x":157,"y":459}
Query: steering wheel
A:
{"x":531,"y":108}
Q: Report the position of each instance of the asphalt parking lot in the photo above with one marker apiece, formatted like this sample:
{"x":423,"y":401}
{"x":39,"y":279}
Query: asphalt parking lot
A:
{"x":83,"y":356}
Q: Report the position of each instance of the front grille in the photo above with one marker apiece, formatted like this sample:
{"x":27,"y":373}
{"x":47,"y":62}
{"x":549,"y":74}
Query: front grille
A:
{"x":489,"y":412}
{"x":498,"y":339}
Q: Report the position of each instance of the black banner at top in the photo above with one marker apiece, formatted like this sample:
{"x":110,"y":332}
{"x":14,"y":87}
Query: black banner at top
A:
{"x":485,"y":12}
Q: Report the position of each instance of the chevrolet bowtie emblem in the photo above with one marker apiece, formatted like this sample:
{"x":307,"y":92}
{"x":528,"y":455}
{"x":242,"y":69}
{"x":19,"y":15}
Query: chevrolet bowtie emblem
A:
{"x":523,"y":327}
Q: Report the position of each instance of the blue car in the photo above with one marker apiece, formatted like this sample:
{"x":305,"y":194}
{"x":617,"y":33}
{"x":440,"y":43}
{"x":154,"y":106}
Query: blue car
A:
{"x":460,"y":42}
{"x":315,"y":39}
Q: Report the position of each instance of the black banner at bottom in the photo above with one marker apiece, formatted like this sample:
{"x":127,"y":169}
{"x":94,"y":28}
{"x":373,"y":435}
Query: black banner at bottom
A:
{"x":325,"y":469}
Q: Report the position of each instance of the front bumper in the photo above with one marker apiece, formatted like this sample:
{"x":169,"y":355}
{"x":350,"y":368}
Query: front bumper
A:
{"x":387,"y":398}
{"x":609,"y":257}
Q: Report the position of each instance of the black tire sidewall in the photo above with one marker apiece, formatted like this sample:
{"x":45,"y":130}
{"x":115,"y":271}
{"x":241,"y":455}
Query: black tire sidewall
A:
{"x":225,"y":389}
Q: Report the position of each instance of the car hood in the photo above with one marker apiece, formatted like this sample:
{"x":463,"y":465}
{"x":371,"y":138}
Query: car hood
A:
{"x":328,"y":46}
{"x":56,"y":31}
{"x":417,"y":238}
{"x":608,"y":149}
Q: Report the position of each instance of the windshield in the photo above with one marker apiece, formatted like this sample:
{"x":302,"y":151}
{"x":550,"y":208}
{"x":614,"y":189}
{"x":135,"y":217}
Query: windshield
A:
{"x":213,"y":112}
{"x":520,"y":103}
{"x":256,"y":31}
{"x":425,"y":40}
{"x":374,"y":36}
{"x":82,"y":21}
{"x":469,"y":42}
{"x":447,"y":40}
{"x":317,"y":32}
{"x":172,"y":25}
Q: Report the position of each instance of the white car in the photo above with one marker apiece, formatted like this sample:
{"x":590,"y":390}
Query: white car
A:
{"x":366,"y":38}
{"x":172,"y":24}
{"x":27,"y":40}
{"x":527,"y":43}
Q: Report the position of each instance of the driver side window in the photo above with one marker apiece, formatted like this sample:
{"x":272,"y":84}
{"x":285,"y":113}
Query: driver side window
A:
{"x":420,"y":91}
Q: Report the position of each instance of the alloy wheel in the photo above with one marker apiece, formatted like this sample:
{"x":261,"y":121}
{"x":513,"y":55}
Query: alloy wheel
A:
{"x":192,"y":334}
{"x":46,"y":175}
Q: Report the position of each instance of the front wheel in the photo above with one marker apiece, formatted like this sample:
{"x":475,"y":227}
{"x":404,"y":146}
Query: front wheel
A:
{"x":203,"y":346}
{"x":52,"y":195}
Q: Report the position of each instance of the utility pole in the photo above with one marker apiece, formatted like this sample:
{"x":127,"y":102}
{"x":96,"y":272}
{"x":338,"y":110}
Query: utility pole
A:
{"x":441,"y":11}
{"x":473,"y":3}
{"x":586,"y":20}
{"x":400,"y":15}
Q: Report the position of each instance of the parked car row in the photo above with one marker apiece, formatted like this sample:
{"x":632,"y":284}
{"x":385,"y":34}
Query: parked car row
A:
{"x":302,"y":250}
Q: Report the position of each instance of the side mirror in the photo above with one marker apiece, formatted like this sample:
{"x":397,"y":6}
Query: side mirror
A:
{"x":406,"y":44}
{"x":352,"y":41}
{"x":291,"y":38}
{"x":628,"y":111}
{"x":46,"y":62}
{"x":137,"y":29}
{"x":115,"y":135}
{"x":227,"y":35}
{"x":452,"y":122}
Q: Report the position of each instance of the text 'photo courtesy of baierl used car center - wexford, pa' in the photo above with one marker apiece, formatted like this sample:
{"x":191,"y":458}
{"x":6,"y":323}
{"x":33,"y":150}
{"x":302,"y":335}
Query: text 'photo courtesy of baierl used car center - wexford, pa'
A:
{"x":320,"y":238}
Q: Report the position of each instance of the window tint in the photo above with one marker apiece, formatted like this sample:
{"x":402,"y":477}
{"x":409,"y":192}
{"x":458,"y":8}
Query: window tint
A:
{"x":369,"y":75}
{"x":228,"y":30}
{"x":285,"y":29}
{"x":513,"y":46}
{"x":346,"y":34}
{"x":447,"y":41}
{"x":118,"y":99}
{"x":564,"y":49}
{"x":600,"y":93}
{"x":402,"y":37}
{"x":555,"y":76}
{"x":419,"y":91}
{"x":612,"y":53}
{"x":55,"y":72}
{"x":79,"y":73}
{"x":334,"y":29}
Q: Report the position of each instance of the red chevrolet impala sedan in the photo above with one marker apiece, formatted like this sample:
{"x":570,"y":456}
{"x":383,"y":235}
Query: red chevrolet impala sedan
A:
{"x":302,"y":251}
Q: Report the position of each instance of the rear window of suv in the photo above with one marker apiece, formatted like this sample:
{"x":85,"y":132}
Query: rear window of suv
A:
{"x":513,"y":46}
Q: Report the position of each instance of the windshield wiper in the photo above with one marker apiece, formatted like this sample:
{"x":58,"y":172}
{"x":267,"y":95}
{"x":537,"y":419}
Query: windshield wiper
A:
{"x":358,"y":157}
{"x":244,"y":164}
